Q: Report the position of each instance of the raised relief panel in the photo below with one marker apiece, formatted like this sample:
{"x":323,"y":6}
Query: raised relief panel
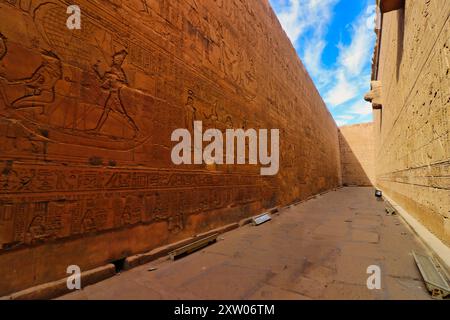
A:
{"x":86,"y":118}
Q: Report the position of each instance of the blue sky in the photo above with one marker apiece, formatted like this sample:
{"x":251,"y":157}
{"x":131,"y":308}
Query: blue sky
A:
{"x":335,"y":40}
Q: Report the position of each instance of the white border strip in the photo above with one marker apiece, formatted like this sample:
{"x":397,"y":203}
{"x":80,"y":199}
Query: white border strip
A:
{"x":430,"y":239}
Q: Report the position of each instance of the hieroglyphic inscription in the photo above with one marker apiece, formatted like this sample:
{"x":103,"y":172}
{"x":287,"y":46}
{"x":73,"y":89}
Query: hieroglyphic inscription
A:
{"x":51,"y":202}
{"x":86,"y":118}
{"x":114,"y":91}
{"x":59,"y":216}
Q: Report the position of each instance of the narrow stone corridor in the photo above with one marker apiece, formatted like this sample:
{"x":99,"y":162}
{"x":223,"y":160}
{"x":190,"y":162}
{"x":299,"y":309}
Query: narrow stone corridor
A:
{"x":319,"y":249}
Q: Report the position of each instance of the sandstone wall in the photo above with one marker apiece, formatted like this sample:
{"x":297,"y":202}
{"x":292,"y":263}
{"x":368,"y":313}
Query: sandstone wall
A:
{"x":357,"y":154}
{"x":86,"y":118}
{"x":413,"y":142}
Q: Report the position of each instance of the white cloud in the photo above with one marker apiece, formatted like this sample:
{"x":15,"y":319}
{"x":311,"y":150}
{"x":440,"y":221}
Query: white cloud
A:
{"x":352,"y":73}
{"x":355,"y":111}
{"x":299,"y":16}
{"x":290,"y":19}
{"x":342,"y":92}
{"x":344,"y":83}
{"x":312,"y":56}
{"x":361,"y":108}
{"x":311,"y":17}
{"x":341,"y":123}
{"x":353,"y":58}
{"x":343,"y":119}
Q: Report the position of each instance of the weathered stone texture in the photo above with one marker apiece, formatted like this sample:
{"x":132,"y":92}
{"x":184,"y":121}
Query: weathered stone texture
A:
{"x":79,"y":185}
{"x":357,"y":154}
{"x":412,"y":128}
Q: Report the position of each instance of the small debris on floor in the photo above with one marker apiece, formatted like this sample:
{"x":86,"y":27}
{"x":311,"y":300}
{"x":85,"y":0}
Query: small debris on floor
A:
{"x":390,"y":211}
{"x":152,"y":269}
{"x":261,"y":219}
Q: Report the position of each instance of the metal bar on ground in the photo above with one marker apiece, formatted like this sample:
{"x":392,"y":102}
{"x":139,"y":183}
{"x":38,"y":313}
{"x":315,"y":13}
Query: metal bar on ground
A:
{"x":434,"y":280}
{"x":194,"y":246}
{"x":262,"y":218}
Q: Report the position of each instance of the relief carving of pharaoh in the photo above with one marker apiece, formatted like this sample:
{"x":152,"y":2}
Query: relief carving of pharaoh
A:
{"x":72,"y":84}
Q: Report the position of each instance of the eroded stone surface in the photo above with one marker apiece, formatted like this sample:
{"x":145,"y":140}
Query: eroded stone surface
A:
{"x":357,"y":145}
{"x":86,"y":118}
{"x":279,"y":261}
{"x":412,"y":148}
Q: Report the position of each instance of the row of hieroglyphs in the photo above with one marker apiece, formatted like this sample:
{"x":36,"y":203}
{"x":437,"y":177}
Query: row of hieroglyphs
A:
{"x":27,"y":220}
{"x":17,"y":178}
{"x":46,"y":202}
{"x":118,"y":87}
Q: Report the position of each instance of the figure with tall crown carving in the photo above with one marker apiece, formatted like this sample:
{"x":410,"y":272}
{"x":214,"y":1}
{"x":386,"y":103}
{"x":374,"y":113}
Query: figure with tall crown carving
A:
{"x":113,"y":81}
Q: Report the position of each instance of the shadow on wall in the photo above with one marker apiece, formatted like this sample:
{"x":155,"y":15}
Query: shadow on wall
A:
{"x":356,"y":160}
{"x":400,"y":37}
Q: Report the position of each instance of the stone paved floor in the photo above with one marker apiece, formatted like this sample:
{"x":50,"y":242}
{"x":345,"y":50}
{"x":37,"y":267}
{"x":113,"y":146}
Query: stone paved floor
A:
{"x":319,"y":249}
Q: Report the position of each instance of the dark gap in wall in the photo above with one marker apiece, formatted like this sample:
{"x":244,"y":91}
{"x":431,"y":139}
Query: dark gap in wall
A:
{"x":400,"y":39}
{"x":119,"y":264}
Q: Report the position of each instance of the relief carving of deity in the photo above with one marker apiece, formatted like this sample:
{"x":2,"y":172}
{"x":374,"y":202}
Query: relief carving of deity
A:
{"x":75,"y":85}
